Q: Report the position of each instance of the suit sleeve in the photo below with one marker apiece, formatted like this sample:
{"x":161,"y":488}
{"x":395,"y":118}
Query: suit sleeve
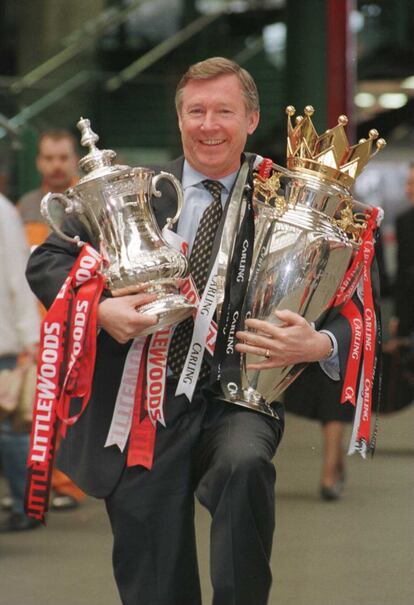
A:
{"x":51,"y":262}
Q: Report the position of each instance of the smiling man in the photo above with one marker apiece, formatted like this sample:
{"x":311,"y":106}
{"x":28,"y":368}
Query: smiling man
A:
{"x":219,"y":452}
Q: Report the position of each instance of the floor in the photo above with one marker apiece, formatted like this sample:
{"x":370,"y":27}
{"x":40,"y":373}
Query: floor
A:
{"x":357,"y":551}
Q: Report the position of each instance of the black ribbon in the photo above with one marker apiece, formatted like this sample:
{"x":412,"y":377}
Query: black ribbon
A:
{"x":226,"y":360}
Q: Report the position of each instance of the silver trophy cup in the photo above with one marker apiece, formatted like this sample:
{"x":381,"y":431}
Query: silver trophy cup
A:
{"x":113,"y":203}
{"x":306,"y":233}
{"x":300,"y":259}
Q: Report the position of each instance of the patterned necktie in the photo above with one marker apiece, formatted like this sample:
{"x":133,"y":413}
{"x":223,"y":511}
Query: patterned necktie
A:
{"x":199,"y":263}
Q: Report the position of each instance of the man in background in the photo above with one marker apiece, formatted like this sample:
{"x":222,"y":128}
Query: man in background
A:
{"x":56,"y":163}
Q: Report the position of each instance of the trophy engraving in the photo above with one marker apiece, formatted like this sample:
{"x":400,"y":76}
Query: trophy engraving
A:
{"x":113,"y":203}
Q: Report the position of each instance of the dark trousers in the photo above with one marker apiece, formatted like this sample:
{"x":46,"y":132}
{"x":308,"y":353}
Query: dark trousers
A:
{"x":222,"y":453}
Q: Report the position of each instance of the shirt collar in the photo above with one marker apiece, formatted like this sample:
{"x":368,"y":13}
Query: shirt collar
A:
{"x":192,"y":177}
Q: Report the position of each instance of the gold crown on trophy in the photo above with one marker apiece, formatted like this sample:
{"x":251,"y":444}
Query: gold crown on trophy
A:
{"x":328,"y":156}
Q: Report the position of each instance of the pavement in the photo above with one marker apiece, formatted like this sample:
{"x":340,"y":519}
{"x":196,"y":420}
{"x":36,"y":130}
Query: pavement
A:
{"x":356,"y":551}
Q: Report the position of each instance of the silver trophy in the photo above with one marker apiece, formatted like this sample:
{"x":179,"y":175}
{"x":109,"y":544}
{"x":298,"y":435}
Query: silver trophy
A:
{"x":306,"y":233}
{"x":113,"y":203}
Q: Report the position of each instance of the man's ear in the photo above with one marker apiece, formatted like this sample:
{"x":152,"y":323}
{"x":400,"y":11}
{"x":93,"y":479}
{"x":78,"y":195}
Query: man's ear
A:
{"x":179,"y":122}
{"x":254,"y":118}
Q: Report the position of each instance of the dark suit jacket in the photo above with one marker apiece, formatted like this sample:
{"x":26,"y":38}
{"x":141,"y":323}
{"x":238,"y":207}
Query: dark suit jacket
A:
{"x":82,"y":454}
{"x":404,"y":287}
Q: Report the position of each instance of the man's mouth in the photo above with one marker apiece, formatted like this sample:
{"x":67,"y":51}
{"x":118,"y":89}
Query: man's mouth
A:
{"x":212,"y":142}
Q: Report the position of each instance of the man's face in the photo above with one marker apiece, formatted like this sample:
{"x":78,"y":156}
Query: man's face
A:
{"x":410,"y":186}
{"x":214,"y":124}
{"x":57,"y":162}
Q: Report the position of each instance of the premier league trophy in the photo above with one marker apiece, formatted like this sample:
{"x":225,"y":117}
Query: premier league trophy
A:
{"x":113,"y":203}
{"x":307,"y":232}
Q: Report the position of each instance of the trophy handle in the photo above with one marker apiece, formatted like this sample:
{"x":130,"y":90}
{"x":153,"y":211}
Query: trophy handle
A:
{"x":180,"y":198}
{"x":69,"y":205}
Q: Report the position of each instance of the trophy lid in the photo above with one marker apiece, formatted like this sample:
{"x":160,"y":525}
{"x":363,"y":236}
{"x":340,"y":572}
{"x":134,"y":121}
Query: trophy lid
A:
{"x":98,"y":162}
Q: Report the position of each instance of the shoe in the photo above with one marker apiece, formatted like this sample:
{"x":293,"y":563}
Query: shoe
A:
{"x":333,"y":492}
{"x":19,"y":522}
{"x":6,"y":503}
{"x":63,"y":502}
{"x":330,"y":493}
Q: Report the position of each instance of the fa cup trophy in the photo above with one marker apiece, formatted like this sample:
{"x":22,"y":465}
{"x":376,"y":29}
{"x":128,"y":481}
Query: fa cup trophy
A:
{"x":306,"y":234}
{"x":113,"y":204}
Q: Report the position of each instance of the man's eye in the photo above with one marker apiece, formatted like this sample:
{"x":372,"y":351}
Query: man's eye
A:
{"x":196,"y":111}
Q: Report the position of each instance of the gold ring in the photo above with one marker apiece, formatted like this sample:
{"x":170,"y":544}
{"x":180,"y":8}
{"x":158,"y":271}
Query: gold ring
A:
{"x":267,"y":353}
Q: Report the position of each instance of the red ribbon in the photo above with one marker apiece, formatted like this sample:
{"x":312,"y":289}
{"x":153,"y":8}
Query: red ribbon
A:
{"x":351,"y":278}
{"x":265,"y":168}
{"x":64,"y":370}
{"x":363,"y":329}
{"x":363,"y":435}
{"x":142,"y":436}
{"x":354,"y":317}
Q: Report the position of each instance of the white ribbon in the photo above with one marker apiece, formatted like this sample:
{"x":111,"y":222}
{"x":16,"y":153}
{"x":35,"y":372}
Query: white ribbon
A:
{"x":202,"y":322}
{"x":124,"y":405}
{"x":353,"y":444}
{"x":205,"y":329}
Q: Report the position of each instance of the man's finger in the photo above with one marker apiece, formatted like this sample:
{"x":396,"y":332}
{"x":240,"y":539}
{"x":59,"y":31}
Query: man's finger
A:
{"x":253,"y":350}
{"x":147,"y":319}
{"x":264,"y":327}
{"x":290,"y":317}
{"x":138,"y":300}
{"x":130,"y":290}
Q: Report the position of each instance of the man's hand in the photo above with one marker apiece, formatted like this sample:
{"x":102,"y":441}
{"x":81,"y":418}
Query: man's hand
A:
{"x":293,"y":341}
{"x":121,"y":318}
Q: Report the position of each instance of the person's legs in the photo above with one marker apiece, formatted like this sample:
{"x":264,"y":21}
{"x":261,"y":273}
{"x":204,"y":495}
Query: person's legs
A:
{"x":236,"y":484}
{"x":14,"y":448}
{"x":152,"y":517}
{"x":333,"y":465}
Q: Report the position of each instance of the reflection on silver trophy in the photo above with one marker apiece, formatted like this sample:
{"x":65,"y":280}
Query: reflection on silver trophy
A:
{"x":113,"y":203}
{"x":306,"y":234}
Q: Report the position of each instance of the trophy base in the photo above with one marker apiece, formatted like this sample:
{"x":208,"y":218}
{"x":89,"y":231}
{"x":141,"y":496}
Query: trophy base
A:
{"x":170,"y":309}
{"x":251,"y":399}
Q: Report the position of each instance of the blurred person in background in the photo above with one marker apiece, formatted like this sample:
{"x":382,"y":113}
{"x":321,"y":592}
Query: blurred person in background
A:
{"x":404,"y":285}
{"x":56,"y":163}
{"x":398,"y":384}
{"x":19,"y":336}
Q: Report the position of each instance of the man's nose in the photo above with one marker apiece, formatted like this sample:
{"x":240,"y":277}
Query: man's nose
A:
{"x":210,"y":121}
{"x":57,"y":163}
